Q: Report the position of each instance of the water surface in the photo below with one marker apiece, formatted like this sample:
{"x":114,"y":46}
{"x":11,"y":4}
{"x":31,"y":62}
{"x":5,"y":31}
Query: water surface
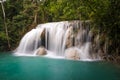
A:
{"x":41,"y":68}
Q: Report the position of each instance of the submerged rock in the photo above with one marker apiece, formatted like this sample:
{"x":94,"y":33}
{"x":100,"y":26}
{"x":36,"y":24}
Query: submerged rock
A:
{"x":72,"y":54}
{"x":41,"y":51}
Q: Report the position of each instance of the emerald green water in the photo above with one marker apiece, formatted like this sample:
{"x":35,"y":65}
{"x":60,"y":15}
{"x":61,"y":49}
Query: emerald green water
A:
{"x":41,"y":68}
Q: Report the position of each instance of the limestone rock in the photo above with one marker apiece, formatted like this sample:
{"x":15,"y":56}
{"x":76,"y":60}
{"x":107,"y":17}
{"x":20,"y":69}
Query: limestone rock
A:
{"x":42,"y":36}
{"x":69,"y":37}
{"x":43,"y":33}
{"x":41,"y":51}
{"x":72,"y":54}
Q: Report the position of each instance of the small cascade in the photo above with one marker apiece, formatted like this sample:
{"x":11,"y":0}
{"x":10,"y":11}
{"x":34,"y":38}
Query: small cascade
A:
{"x":30,"y":42}
{"x":58,"y":38}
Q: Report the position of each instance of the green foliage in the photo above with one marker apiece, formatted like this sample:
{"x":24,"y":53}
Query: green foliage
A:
{"x":23,"y":15}
{"x":107,"y":19}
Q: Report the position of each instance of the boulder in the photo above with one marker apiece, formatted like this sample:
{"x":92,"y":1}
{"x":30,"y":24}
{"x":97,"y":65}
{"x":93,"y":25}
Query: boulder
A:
{"x":72,"y":54}
{"x":41,"y":51}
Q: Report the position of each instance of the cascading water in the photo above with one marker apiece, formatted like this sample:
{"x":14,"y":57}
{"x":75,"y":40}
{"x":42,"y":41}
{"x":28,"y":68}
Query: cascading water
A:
{"x":58,"y":38}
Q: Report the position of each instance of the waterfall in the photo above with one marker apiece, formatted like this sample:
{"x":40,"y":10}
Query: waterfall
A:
{"x":58,"y":38}
{"x":30,"y":42}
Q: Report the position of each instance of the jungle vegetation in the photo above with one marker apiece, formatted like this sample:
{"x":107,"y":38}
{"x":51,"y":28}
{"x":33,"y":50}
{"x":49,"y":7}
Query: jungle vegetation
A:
{"x":20,"y":16}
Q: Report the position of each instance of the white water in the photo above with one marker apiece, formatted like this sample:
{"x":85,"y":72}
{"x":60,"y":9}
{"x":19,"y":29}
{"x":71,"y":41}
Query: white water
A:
{"x":56,"y":35}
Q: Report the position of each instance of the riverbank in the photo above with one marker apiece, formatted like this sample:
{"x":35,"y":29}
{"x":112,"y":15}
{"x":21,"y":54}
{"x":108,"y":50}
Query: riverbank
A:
{"x":112,"y":58}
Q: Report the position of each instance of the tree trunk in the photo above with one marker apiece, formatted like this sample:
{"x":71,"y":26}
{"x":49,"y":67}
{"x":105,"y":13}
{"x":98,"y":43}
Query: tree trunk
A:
{"x":6,"y":30}
{"x":35,"y":18}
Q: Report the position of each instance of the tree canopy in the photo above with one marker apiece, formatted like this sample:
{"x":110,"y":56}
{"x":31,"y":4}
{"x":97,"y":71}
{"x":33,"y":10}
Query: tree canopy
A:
{"x":23,"y":15}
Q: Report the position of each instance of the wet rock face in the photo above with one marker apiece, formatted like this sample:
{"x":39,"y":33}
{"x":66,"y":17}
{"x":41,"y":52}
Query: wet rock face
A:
{"x":72,"y":54}
{"x":81,"y":38}
{"x":43,"y":33}
{"x":41,"y":51}
{"x":69,"y":37}
{"x":43,"y":37}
